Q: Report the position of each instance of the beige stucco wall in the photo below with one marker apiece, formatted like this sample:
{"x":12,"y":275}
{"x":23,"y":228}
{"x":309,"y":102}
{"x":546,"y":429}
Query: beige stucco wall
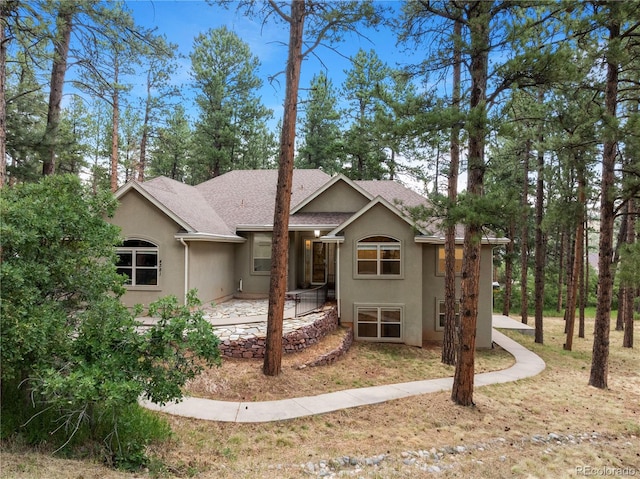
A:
{"x":433,"y":292}
{"x":256,"y":285}
{"x":140,"y":219}
{"x":211,"y":270}
{"x":339,"y":198}
{"x":403,"y":291}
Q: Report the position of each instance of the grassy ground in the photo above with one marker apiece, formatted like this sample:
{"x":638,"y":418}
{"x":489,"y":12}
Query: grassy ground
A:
{"x":365,"y":364}
{"x":552,"y":425}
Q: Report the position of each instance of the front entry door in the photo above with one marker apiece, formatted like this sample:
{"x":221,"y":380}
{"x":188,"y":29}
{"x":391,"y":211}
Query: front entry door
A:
{"x":318,"y":263}
{"x":315,"y":262}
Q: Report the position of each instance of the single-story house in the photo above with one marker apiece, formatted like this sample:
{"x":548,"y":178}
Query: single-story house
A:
{"x":387,"y":271}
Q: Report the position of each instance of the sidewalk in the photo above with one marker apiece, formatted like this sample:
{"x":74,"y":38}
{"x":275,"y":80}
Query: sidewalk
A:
{"x":527,"y":364}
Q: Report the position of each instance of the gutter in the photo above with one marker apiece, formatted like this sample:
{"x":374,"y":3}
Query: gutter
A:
{"x":441,"y":240}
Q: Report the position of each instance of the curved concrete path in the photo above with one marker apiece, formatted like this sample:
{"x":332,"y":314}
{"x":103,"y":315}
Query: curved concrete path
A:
{"x":527,"y":364}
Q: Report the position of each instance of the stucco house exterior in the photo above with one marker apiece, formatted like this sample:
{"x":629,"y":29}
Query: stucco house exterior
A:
{"x":387,"y":272}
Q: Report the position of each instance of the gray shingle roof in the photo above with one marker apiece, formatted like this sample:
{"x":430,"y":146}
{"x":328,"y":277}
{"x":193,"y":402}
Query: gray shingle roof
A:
{"x":188,"y":204}
{"x":329,"y":220}
{"x":247,"y":197}
{"x":392,"y":191}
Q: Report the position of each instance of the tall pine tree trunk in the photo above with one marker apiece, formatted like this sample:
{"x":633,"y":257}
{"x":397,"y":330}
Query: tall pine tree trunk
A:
{"x":64,"y":25}
{"x":629,"y":291}
{"x":508,"y":269}
{"x":524,"y":234}
{"x":280,"y":247}
{"x":600,"y":357}
{"x":142,"y":164}
{"x":561,"y":265}
{"x":540,"y":248}
{"x":584,"y":272}
{"x":479,"y":18}
{"x":115,"y":127}
{"x":622,"y":239}
{"x":449,"y":341}
{"x":4,"y":13}
{"x":578,"y":258}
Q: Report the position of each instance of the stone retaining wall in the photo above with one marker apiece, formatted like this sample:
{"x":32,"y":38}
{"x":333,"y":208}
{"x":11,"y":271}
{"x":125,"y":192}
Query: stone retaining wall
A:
{"x":294,"y":341}
{"x":334,"y":355}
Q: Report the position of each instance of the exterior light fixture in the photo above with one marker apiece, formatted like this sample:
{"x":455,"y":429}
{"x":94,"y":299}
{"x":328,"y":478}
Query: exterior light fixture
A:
{"x":316,"y":233}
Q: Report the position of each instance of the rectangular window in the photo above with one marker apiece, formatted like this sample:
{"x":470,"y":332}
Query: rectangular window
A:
{"x":379,"y":323}
{"x":378,"y":256}
{"x":441,"y":313}
{"x":261,"y":252}
{"x":441,"y":264}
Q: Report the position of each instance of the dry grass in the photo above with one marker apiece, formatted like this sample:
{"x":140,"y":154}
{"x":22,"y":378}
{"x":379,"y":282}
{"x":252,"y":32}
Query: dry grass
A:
{"x":506,"y":416}
{"x":365,"y":364}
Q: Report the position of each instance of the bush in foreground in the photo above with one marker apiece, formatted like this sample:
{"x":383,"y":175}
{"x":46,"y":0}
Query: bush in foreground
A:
{"x":74,"y":361}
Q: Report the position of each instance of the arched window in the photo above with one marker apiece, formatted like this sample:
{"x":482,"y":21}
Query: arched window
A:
{"x":138,"y":261}
{"x":378,"y":256}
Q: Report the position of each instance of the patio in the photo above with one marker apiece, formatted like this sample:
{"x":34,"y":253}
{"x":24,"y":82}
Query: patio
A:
{"x":241,"y":326}
{"x":242,"y":320}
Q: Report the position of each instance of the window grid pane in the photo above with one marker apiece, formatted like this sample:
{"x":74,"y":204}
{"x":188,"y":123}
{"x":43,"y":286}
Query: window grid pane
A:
{"x":367,"y":267}
{"x":367,"y":330}
{"x":390,"y":315}
{"x":388,"y":267}
{"x":146,"y":258}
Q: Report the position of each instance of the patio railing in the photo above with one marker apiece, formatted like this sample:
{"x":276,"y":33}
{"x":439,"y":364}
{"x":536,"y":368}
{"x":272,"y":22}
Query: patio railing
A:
{"x":309,"y":299}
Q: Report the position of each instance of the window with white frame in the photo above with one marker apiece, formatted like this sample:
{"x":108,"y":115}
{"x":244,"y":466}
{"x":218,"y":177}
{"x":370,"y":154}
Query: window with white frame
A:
{"x":441,"y":314}
{"x":261,"y":252}
{"x":379,"y":256}
{"x":138,"y":261}
{"x":379,"y":322}
{"x":441,"y":260}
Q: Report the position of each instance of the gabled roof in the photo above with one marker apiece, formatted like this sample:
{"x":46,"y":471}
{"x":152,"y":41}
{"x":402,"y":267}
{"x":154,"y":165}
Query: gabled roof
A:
{"x":328,"y":185}
{"x":392,"y":191}
{"x":245,"y":199}
{"x":378,"y":200}
{"x":313,"y":221}
{"x":183,"y":204}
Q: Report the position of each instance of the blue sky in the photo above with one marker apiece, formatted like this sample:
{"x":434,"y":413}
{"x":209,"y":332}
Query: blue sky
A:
{"x":182,"y":20}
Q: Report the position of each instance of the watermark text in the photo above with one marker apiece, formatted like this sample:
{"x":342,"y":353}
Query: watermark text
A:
{"x":607,"y":471}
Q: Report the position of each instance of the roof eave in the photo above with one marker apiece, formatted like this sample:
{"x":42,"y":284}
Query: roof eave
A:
{"x":210,"y":237}
{"x":378,"y":200}
{"x":340,"y":177}
{"x":153,"y":200}
{"x":331,"y":239}
{"x":458,"y":240}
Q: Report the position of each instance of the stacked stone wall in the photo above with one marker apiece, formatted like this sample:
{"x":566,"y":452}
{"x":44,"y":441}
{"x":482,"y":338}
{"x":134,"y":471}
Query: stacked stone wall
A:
{"x":291,"y":342}
{"x":337,"y":353}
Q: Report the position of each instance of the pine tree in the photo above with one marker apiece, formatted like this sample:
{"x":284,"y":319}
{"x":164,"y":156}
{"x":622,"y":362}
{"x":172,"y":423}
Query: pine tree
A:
{"x":322,"y":145}
{"x":226,"y":76}
{"x":172,"y":148}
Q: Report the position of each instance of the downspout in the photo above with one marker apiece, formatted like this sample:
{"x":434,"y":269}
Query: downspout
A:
{"x":338,"y":279}
{"x":186,"y":269}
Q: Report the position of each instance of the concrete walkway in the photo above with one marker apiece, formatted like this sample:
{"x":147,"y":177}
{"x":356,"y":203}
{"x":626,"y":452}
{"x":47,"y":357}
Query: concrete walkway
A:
{"x":527,"y":364}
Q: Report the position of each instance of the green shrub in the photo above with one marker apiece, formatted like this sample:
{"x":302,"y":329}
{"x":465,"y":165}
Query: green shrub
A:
{"x":74,"y":363}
